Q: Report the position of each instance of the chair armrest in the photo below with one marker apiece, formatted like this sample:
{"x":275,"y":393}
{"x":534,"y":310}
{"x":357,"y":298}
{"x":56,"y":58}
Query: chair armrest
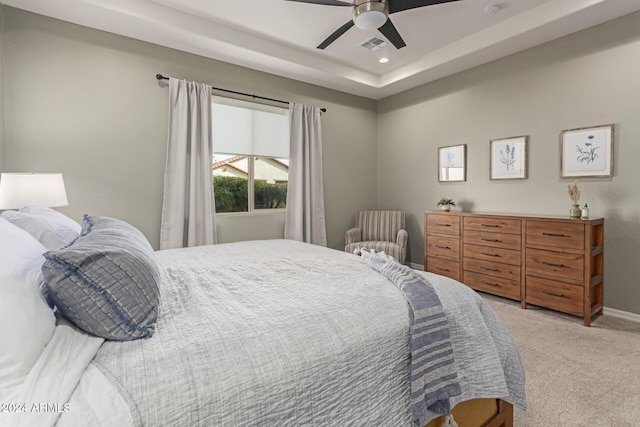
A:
{"x":353,"y":235}
{"x":402,"y":239}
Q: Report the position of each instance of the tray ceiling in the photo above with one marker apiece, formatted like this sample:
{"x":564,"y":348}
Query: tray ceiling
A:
{"x":280,"y":36}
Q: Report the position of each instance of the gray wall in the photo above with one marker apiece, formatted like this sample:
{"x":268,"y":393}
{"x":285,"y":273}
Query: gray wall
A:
{"x":86,"y":103}
{"x":586,"y":79}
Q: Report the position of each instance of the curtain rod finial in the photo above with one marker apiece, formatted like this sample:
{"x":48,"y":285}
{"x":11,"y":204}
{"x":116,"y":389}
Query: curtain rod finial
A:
{"x":161,"y":77}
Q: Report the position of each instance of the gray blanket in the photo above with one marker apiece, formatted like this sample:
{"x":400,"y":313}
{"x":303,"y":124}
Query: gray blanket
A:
{"x":432,"y":376}
{"x":280,"y":333}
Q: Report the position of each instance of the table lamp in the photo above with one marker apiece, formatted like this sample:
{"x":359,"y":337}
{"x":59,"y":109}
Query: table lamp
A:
{"x":20,"y":189}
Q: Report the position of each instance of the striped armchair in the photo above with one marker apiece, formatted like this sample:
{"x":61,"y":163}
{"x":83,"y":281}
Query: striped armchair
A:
{"x":379,"y":230}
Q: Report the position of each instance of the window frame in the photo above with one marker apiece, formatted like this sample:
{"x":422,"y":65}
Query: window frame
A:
{"x":251,"y":209}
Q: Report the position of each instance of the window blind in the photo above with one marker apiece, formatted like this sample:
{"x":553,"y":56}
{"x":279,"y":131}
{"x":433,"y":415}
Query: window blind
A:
{"x":251,"y":129}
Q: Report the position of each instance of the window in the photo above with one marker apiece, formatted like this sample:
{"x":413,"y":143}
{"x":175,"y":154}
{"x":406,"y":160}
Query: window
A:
{"x":250,"y":160}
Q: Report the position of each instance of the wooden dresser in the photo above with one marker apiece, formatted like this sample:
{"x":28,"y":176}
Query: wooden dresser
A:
{"x":552,"y":262}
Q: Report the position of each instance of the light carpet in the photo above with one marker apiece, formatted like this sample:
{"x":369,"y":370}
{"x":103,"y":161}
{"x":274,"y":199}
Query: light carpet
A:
{"x":576,"y":376}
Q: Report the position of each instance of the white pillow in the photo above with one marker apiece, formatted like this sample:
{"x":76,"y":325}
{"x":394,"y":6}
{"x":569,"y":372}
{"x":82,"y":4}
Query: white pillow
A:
{"x":53,"y":229}
{"x":26,"y":326}
{"x":26,"y":321}
{"x":21,"y":254}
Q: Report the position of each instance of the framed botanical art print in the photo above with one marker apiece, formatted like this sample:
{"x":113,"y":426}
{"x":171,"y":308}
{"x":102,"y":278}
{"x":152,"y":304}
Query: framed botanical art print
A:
{"x":587,"y":151}
{"x":508,"y":158}
{"x":452,"y":163}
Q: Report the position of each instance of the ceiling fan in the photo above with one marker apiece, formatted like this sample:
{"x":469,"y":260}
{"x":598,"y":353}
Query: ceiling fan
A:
{"x":372,"y":14}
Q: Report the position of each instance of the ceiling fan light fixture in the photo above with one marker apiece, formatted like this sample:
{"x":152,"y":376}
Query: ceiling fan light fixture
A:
{"x":370,"y":15}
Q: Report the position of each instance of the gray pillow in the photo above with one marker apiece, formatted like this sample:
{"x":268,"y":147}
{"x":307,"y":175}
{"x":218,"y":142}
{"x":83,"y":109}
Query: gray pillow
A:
{"x":106,"y":281}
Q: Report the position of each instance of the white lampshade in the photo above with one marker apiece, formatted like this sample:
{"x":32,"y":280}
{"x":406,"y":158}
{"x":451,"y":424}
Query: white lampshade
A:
{"x":20,"y":189}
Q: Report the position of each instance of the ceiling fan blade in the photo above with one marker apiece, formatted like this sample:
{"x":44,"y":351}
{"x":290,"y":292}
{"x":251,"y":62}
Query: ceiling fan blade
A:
{"x":389,"y":31}
{"x":325,"y":2}
{"x":337,"y":33}
{"x":400,"y":5}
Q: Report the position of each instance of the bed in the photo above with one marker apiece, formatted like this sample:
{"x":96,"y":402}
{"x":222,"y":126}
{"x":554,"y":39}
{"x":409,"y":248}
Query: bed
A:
{"x":265,"y":333}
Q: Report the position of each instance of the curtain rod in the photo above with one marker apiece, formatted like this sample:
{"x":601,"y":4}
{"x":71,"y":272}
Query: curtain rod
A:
{"x":161,"y":77}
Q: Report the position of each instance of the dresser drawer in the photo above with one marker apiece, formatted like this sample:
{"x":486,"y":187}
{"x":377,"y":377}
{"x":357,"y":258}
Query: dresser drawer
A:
{"x":500,"y":225}
{"x":443,"y":224}
{"x":448,"y":247}
{"x":493,"y":285}
{"x":444,"y":267}
{"x":561,"y":235}
{"x":494,"y":240}
{"x":554,"y":295}
{"x":505,"y":256}
{"x":511,"y":272}
{"x":554,"y":264}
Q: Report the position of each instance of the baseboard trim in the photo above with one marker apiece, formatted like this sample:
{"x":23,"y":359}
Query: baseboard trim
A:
{"x":633,"y":317}
{"x":621,"y":314}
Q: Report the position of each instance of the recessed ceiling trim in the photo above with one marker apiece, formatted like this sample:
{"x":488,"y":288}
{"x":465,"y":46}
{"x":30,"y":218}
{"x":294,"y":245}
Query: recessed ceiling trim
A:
{"x":159,"y":24}
{"x":167,"y":26}
{"x":539,"y":25}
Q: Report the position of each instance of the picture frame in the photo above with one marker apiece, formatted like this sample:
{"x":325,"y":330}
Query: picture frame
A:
{"x":587,"y":152}
{"x":508,"y":158}
{"x":452,"y":163}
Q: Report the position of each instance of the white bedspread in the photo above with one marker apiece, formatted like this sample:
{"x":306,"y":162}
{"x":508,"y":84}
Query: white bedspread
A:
{"x":278,"y":333}
{"x":45,"y":393}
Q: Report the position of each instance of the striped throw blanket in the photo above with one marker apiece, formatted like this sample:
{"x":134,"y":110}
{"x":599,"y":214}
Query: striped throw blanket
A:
{"x":433,"y":377}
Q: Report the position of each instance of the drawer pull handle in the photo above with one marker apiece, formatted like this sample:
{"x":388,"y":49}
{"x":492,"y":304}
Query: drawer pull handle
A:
{"x":442,"y":247}
{"x":488,"y":254}
{"x":489,"y":283}
{"x":489,"y":240}
{"x":488,"y":268}
{"x":442,"y":269}
{"x":551,"y":264}
{"x":440,"y":224}
{"x":490,"y":225}
{"x":553,"y":234}
{"x":555,"y":294}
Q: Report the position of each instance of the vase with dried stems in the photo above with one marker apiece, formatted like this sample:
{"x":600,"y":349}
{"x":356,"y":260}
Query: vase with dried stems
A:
{"x":574,"y":193}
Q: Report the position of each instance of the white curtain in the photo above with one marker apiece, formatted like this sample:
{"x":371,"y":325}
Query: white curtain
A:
{"x":188,"y":211}
{"x":305,"y":193}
